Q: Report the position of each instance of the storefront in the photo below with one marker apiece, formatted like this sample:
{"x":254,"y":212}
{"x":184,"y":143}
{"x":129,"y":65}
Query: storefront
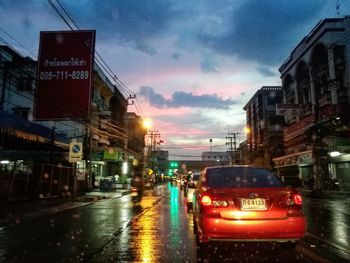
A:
{"x":339,"y":168}
{"x":112,"y":168}
{"x":295,"y":169}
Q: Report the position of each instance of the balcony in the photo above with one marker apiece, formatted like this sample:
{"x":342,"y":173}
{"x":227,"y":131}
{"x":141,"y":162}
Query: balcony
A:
{"x":307,"y":109}
{"x":105,"y":113}
{"x":343,"y":96}
{"x":325,"y":99}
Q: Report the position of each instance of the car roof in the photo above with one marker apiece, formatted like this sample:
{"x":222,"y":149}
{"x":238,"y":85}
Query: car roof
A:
{"x":236,"y":166}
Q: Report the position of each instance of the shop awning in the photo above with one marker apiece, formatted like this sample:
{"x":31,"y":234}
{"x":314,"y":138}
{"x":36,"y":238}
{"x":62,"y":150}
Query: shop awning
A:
{"x":301,"y":158}
{"x":13,"y":125}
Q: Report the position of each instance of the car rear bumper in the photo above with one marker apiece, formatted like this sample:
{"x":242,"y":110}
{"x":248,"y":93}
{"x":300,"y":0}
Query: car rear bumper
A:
{"x":218,"y":229}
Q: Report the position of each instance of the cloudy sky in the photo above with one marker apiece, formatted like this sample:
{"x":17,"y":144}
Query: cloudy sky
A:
{"x":193,"y":64}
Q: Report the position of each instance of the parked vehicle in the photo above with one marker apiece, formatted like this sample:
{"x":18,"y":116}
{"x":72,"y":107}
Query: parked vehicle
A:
{"x":245,"y":203}
{"x":191,"y":187}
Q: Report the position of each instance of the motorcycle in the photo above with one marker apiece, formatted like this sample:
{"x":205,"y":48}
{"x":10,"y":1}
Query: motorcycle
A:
{"x":136,"y":190}
{"x":136,"y":194}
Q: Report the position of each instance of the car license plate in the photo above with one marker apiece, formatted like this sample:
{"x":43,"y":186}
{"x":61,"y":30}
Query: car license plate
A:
{"x":253,"y":204}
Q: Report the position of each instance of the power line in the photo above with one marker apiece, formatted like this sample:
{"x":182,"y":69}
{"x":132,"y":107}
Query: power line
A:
{"x":67,"y":13}
{"x":99,"y":60}
{"x":127,"y":92}
{"x":60,"y":14}
{"x":16,"y":41}
{"x":13,"y":81}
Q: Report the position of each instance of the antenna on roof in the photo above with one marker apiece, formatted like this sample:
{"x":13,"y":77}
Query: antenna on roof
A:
{"x":337,"y":8}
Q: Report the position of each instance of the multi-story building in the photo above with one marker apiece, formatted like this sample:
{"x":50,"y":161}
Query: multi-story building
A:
{"x":112,"y":140}
{"x":315,"y":84}
{"x":20,"y":136}
{"x":264,"y":139}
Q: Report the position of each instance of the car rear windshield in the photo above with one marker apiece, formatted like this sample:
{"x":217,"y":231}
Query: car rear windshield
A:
{"x":241,"y":177}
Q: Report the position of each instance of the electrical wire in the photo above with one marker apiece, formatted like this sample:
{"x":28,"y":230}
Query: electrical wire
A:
{"x":113,"y":131}
{"x":98,"y":57}
{"x":7,"y":34}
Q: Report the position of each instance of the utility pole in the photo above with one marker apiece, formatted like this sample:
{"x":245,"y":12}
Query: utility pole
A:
{"x":52,"y":144}
{"x":154,"y":136}
{"x":232,"y":137}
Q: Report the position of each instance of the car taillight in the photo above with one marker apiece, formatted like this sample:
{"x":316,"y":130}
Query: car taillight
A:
{"x":291,"y":200}
{"x":295,"y":208}
{"x":220,"y":203}
{"x":206,"y":200}
{"x":297,"y":200}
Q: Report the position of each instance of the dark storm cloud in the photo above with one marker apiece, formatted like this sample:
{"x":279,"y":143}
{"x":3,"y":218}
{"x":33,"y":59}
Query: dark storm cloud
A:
{"x":23,"y":14}
{"x":183,"y":99}
{"x":154,"y":98}
{"x":135,"y":21}
{"x":266,"y":71}
{"x":263,"y":31}
{"x":209,"y":65}
{"x":176,"y":56}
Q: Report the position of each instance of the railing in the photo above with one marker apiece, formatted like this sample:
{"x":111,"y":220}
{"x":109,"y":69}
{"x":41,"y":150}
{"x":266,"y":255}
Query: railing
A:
{"x":44,"y":181}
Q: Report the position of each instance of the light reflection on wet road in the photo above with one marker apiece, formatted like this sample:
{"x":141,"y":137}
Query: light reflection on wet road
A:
{"x":329,"y":221}
{"x":164,"y":233}
{"x":158,"y":229}
{"x":159,"y":234}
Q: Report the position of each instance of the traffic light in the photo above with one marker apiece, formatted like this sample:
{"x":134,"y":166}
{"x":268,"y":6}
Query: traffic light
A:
{"x":174,"y":165}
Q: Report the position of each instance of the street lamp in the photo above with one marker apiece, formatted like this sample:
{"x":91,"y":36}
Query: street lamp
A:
{"x":147,"y":123}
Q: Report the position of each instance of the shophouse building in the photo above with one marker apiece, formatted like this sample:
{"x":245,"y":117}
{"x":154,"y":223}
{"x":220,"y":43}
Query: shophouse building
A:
{"x":35,"y":154}
{"x":315,"y":83}
{"x":265,"y":136}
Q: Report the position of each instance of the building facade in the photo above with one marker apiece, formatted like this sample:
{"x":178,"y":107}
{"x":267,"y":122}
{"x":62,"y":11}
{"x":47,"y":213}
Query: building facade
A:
{"x":315,"y":84}
{"x":36,"y":153}
{"x":265,"y":136}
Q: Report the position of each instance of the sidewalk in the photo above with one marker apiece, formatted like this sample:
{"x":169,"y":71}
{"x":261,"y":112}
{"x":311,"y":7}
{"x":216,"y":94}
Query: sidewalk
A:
{"x":17,"y":211}
{"x":325,"y":194}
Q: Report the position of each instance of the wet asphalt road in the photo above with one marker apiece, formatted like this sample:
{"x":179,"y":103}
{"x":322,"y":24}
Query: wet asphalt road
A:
{"x":158,"y":229}
{"x":329,"y":223}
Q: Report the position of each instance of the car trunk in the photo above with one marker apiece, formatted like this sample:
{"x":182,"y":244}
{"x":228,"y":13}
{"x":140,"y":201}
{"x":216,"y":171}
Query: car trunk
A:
{"x":254,"y":203}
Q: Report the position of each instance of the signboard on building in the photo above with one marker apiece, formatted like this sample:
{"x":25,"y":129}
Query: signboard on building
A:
{"x":288,"y":110}
{"x":301,"y":158}
{"x":65,"y":68}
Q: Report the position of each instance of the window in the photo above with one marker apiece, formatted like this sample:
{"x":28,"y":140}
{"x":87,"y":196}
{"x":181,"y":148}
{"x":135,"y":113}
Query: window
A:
{"x":21,"y":112}
{"x":25,"y":84}
{"x":241,"y":177}
{"x":339,"y":55}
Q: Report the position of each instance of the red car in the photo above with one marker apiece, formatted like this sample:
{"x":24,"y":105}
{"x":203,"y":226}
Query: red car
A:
{"x":245,"y":203}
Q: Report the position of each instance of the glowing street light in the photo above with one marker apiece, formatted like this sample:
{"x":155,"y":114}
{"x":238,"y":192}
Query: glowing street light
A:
{"x":147,"y":123}
{"x":246,"y":130}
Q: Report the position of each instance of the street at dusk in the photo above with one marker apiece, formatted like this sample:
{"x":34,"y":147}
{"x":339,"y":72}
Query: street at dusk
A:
{"x":174,"y":131}
{"x":158,"y":229}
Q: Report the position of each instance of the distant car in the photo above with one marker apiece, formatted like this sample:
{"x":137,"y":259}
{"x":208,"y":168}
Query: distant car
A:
{"x":245,"y":203}
{"x":183,"y":181}
{"x":191,"y":187}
